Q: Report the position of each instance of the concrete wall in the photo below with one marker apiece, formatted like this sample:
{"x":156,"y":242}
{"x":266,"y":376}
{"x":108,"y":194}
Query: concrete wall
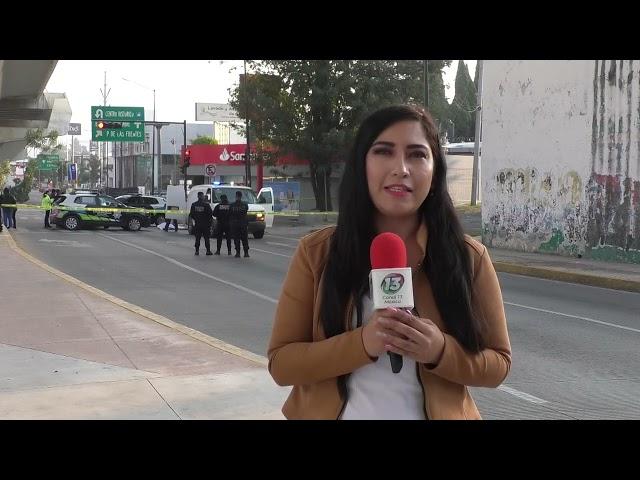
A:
{"x":561,"y":157}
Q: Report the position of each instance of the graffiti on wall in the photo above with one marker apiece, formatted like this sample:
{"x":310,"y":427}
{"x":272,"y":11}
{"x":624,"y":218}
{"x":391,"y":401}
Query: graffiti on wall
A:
{"x":561,"y":212}
{"x":529,"y":207}
{"x":613,"y":195}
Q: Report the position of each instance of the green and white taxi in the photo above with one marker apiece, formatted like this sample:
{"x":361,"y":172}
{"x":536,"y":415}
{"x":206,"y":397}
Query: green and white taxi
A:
{"x":76,"y":211}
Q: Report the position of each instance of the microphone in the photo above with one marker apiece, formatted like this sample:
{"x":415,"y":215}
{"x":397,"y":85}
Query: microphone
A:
{"x":390,"y":281}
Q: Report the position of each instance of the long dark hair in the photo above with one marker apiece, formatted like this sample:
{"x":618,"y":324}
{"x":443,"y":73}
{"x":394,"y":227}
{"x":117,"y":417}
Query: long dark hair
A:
{"x":447,"y":263}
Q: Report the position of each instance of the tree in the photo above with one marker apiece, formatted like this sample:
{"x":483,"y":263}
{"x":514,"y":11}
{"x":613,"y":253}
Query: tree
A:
{"x":475,"y":78}
{"x":21,"y":189}
{"x":312,"y":108}
{"x":5,"y":171}
{"x":264,"y":90}
{"x":204,"y":140}
{"x":464,"y":104}
{"x":90,"y":171}
{"x":438,"y":105}
{"x":37,"y":142}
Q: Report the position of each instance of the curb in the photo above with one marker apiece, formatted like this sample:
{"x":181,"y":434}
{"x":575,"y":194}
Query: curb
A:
{"x":195,"y":334}
{"x":571,"y":277}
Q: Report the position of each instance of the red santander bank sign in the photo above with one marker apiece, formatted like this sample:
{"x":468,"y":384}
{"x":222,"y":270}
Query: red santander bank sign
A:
{"x":232,"y":155}
{"x":218,"y":154}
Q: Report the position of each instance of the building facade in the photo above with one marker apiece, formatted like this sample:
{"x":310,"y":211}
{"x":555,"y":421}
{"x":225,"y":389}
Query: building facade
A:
{"x":561,"y":157}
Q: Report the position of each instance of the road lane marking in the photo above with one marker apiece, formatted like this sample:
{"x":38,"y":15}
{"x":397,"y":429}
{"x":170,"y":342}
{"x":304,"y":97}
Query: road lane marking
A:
{"x":272,"y":253}
{"x":292,"y":239}
{"x":64,"y":243}
{"x":586,"y":319}
{"x":281,"y":245}
{"x":41,"y":230}
{"x":522,"y":395}
{"x":180,"y":244}
{"x":194,"y":270}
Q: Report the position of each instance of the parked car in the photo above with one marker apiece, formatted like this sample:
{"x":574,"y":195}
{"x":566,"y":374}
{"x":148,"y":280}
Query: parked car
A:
{"x":70,"y":211}
{"x":148,"y":202}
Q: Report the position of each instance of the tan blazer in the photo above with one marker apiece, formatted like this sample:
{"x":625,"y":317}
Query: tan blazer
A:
{"x":300,"y":355}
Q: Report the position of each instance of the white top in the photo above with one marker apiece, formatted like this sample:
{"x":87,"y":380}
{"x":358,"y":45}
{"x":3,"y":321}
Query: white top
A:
{"x":376,"y":393}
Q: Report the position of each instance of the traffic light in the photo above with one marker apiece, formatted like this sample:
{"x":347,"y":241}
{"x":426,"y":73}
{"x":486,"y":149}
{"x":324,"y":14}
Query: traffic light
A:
{"x":101,"y":124}
{"x":186,"y":162}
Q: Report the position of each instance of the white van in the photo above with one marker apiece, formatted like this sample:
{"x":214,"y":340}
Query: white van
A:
{"x":257,"y":214}
{"x":280,"y":198}
{"x":266,"y":200}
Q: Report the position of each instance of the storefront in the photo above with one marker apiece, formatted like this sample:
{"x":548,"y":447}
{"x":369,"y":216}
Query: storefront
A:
{"x":226,"y":164}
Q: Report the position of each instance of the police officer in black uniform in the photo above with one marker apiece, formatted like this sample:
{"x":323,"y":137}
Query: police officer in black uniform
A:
{"x":238,"y":223}
{"x":202,"y":216}
{"x":221,"y":212}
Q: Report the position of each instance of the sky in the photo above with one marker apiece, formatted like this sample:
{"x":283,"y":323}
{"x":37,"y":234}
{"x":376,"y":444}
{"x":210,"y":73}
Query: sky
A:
{"x":178,"y":85}
{"x":449,"y":76}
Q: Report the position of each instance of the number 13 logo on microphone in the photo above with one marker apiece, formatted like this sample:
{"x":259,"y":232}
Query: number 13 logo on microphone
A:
{"x":392,"y":283}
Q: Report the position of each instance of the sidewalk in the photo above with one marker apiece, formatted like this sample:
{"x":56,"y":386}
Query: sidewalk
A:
{"x":68,"y":352}
{"x":619,"y":276}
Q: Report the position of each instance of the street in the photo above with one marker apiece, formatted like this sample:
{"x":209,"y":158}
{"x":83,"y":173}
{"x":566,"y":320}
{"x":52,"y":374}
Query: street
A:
{"x":575,"y":348}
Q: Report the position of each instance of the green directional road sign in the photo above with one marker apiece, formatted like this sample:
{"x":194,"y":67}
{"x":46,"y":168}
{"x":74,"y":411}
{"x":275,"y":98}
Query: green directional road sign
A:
{"x":117,"y":124}
{"x":48,"y":161}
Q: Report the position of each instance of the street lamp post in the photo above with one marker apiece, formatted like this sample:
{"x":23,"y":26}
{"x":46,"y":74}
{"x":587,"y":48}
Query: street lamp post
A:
{"x":247,"y":155}
{"x":175,"y":162}
{"x":153,"y":135}
{"x":153,"y":163}
{"x":478,"y":133}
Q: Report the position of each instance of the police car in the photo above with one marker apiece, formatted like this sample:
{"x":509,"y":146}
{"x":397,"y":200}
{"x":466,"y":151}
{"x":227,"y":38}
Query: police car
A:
{"x":70,"y":211}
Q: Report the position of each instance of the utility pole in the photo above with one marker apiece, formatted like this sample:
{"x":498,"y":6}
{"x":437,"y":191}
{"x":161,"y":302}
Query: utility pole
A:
{"x":73,"y":159}
{"x":153,"y":138}
{"x":175,"y":162}
{"x":476,"y":150}
{"x":153,"y":146}
{"x":159,"y":163}
{"x":247,"y":155}
{"x":105,"y":94}
{"x":116,"y":170}
{"x":184,"y":149}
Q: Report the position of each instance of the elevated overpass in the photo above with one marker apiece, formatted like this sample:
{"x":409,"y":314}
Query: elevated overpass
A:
{"x":24,"y":105}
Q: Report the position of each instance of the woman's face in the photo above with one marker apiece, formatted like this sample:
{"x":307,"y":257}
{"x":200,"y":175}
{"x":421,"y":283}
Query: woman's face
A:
{"x":399,"y":169}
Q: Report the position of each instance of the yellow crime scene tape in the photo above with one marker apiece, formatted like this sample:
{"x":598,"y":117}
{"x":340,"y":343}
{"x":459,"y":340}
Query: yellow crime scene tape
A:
{"x":21,"y":206}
